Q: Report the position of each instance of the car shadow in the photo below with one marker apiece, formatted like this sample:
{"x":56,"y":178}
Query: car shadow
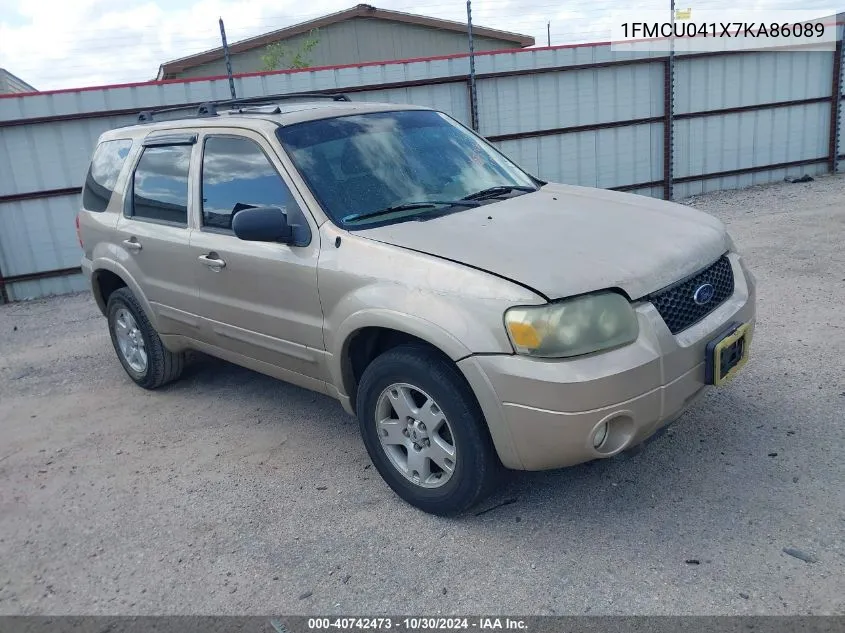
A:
{"x":206,"y":375}
{"x":720,"y":456}
{"x":696,"y":460}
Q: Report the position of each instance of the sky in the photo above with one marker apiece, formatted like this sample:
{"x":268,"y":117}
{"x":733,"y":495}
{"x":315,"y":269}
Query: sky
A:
{"x":54,"y":44}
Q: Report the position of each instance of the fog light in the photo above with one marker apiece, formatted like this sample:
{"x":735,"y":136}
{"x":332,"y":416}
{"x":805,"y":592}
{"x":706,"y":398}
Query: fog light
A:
{"x":600,"y":435}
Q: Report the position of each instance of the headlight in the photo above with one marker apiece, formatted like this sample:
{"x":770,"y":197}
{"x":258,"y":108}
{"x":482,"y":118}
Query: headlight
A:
{"x":572,"y":327}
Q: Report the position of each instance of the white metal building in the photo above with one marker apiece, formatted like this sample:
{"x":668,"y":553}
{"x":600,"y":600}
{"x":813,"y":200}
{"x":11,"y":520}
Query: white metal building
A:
{"x":12,"y":84}
{"x":357,"y":35}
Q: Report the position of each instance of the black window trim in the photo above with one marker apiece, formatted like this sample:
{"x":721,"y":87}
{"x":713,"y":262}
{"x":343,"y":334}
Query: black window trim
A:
{"x":170,"y":139}
{"x":221,"y":231}
{"x":129,"y":200}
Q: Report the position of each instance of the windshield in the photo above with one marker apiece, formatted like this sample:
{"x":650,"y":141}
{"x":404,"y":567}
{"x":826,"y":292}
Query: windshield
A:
{"x":360,"y":165}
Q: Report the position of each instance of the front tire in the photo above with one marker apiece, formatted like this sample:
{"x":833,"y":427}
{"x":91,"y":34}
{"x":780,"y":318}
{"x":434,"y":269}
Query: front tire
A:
{"x":424,"y":430}
{"x":138,"y":346}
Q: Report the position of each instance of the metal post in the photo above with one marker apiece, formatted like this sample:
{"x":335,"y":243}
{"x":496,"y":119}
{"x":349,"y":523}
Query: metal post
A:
{"x":548,"y":33}
{"x":4,"y":295}
{"x":836,"y":106}
{"x":226,"y":57}
{"x":473,"y":96}
{"x":669,"y":111}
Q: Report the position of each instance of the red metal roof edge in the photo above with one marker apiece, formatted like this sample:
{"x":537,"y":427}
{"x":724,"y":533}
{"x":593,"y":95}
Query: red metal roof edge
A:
{"x":412,"y":60}
{"x":516,"y":51}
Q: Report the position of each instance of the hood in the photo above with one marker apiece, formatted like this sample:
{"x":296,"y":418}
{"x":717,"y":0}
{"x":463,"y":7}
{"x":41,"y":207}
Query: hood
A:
{"x":565,"y":240}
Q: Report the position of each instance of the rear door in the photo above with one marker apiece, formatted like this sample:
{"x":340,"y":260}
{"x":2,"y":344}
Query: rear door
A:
{"x":259,"y":299}
{"x":154,"y":231}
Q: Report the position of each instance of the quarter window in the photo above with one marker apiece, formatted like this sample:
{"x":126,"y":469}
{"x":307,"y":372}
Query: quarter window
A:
{"x":160,"y":184}
{"x":106,"y":164}
{"x":236,"y":174}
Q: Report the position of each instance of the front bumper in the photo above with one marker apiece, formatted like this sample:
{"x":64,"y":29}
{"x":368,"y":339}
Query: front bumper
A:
{"x":542,"y":413}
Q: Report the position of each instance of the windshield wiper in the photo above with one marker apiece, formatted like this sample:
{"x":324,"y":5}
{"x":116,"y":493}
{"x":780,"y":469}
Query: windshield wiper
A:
{"x":410,"y":206}
{"x":498,"y":190}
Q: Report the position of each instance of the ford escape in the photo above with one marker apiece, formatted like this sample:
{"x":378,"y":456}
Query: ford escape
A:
{"x":471,"y":315}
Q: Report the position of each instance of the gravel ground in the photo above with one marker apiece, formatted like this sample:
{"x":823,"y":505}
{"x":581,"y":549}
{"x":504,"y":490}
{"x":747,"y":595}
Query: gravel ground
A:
{"x":230,"y":492}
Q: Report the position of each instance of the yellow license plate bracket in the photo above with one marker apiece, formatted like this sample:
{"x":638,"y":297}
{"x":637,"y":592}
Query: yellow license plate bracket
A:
{"x":727,"y":354}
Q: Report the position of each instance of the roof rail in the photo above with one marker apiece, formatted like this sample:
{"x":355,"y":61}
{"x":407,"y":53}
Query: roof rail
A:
{"x":145,"y":116}
{"x":209,"y":108}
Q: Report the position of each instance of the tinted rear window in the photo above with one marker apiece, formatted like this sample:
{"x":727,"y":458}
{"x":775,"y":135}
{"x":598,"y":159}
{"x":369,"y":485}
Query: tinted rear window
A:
{"x":108,"y":160}
{"x":160,"y":190}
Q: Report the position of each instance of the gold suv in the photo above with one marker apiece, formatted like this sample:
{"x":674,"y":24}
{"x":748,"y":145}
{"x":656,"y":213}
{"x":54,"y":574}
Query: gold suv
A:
{"x":470,"y":315}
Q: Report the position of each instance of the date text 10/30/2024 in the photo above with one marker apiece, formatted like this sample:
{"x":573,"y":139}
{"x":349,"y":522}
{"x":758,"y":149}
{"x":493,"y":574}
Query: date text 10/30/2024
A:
{"x":416,"y":624}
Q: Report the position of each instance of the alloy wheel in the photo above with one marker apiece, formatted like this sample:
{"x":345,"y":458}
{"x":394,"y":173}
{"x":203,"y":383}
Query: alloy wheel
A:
{"x":415,"y":435}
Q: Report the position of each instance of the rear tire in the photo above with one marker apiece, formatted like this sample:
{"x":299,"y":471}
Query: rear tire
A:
{"x":425,"y":432}
{"x":138,"y":346}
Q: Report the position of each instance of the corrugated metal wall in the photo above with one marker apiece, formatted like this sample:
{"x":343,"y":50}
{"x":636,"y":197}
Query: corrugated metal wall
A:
{"x":583,"y":115}
{"x":538,"y":109}
{"x":754,"y":137}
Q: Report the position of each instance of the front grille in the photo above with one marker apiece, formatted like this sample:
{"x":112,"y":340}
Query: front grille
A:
{"x":676,"y":304}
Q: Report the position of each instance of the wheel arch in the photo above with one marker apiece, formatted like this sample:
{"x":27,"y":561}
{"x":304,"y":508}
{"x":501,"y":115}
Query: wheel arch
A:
{"x":106,"y":277}
{"x":376,"y":334}
{"x":365,"y":335}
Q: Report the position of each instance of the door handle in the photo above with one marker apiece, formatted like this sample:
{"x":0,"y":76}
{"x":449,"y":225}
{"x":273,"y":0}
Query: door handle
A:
{"x":215,"y":263}
{"x":133,"y":245}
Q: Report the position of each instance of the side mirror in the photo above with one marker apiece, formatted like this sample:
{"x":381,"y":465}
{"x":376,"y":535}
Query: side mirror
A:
{"x":262,"y":224}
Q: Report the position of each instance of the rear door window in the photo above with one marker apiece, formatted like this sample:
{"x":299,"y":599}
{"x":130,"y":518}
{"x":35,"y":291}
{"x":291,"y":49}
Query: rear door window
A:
{"x":106,"y":165}
{"x":160,"y":184}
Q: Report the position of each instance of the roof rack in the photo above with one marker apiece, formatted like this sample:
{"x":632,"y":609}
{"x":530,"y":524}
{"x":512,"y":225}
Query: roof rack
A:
{"x":209,"y":108}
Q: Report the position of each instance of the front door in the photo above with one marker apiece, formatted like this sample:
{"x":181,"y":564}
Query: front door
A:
{"x":258,"y":299}
{"x":154,"y":234}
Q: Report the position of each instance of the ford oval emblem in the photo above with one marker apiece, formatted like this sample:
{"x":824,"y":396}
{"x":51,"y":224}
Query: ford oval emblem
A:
{"x":704,"y":294}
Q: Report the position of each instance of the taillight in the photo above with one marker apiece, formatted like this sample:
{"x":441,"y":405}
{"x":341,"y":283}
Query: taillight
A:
{"x":78,"y":233}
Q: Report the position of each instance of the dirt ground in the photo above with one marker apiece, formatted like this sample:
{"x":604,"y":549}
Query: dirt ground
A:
{"x":229,"y":492}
